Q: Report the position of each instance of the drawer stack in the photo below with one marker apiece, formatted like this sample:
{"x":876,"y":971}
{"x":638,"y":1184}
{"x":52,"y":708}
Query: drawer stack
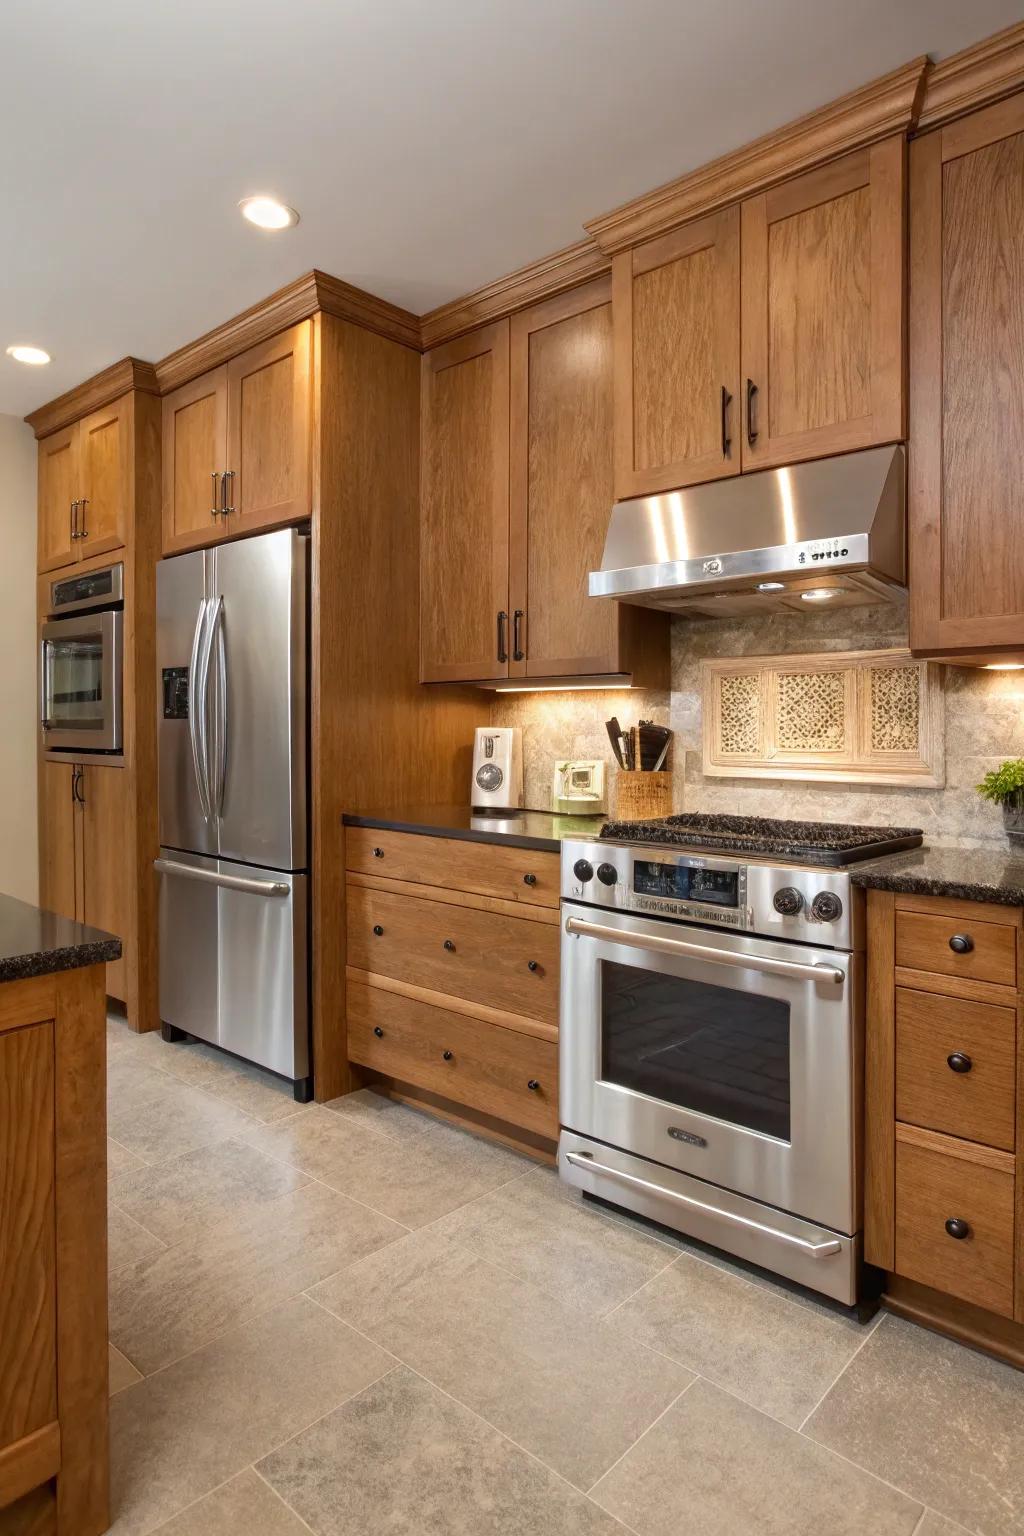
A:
{"x":953,"y":1028}
{"x":452,"y":973}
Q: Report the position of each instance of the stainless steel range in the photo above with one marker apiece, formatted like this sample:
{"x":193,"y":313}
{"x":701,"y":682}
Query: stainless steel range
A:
{"x":711,"y":1030}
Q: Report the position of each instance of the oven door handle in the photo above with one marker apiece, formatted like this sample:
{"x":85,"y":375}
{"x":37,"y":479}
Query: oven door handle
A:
{"x":686,"y":951}
{"x":820,"y":1250}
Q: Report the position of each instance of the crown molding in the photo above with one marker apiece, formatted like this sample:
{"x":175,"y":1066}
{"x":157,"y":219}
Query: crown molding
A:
{"x":296,"y":301}
{"x":93,"y":395}
{"x":538,"y":280}
{"x":973,"y":78}
{"x":885,"y":106}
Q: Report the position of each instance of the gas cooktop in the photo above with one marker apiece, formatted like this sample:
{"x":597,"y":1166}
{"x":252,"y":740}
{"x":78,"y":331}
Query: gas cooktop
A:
{"x":826,"y":843}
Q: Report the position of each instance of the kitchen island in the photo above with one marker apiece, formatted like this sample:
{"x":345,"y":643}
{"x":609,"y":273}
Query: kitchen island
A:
{"x":54,"y":1459}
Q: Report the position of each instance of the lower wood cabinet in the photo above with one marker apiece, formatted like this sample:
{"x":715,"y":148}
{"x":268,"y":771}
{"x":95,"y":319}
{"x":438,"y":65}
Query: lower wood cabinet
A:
{"x":452,"y":992}
{"x":944,"y":1166}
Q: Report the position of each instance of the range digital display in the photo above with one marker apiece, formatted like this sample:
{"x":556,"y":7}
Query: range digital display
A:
{"x":678,"y":882}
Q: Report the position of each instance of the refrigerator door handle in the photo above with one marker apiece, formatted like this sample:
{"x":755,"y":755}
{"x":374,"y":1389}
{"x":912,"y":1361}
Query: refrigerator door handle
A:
{"x":228,"y":882}
{"x":197,"y":712}
{"x":217,"y":764}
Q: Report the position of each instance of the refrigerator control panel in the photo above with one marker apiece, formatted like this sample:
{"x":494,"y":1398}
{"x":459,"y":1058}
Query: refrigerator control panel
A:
{"x":175,"y":693}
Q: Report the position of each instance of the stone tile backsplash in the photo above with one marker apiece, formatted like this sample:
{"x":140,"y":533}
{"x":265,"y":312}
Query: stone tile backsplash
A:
{"x":984,"y":725}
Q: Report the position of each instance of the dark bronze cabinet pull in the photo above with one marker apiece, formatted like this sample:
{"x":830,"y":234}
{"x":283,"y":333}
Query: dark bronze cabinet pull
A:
{"x":533,"y":1085}
{"x":378,"y":1032}
{"x":83,"y":531}
{"x":532,"y":965}
{"x":215,"y":509}
{"x":958,"y":1062}
{"x":961,"y":943}
{"x":378,"y":853}
{"x":228,"y":474}
{"x":957,"y":1227}
{"x":447,"y":1055}
{"x":751,"y":396}
{"x":74,"y":520}
{"x":503,"y":636}
{"x":517,"y":635}
{"x":449,"y":946}
{"x":378,"y":930}
{"x":726,"y":439}
{"x":529,"y":879}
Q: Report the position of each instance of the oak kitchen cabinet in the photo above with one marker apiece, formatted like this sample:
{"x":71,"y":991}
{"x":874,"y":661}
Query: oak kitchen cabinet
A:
{"x":237,"y":444}
{"x":766,"y":333}
{"x":966,"y":521}
{"x":84,"y":487}
{"x":516,"y":488}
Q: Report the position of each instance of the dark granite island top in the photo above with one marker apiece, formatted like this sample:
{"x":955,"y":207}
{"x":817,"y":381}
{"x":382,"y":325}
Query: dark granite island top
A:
{"x":34,"y":942}
{"x":965,"y":874}
{"x":542,"y":831}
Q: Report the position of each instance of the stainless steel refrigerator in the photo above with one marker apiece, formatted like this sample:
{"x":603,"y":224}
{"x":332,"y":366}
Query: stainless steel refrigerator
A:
{"x":232,"y":660}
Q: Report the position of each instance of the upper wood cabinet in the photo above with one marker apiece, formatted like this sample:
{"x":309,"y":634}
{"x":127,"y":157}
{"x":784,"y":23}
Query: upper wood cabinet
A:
{"x":677,"y":357}
{"x":84,"y":486}
{"x":822,"y":327}
{"x":464,"y":618}
{"x":237,"y":452}
{"x":966,"y":519}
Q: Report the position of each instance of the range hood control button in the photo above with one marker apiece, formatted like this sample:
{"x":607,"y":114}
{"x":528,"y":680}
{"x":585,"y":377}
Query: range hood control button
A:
{"x":583,"y":870}
{"x":788,"y":901}
{"x":826,"y":907}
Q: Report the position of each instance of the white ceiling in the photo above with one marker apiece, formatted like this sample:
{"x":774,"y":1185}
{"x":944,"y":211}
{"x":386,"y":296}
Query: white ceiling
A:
{"x":429,"y":145}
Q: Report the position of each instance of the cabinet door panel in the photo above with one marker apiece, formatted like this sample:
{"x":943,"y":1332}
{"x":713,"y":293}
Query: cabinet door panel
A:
{"x":967,"y":416}
{"x":28,"y":1352}
{"x":58,"y":488}
{"x":106,"y":814}
{"x":464,"y":507}
{"x":269,"y":445}
{"x":823,"y":310}
{"x":676,"y":321}
{"x":195,"y":432}
{"x":104,"y":446}
{"x":562,"y":483}
{"x":57,"y":838}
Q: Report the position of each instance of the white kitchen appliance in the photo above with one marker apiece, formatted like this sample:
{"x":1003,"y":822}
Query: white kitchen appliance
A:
{"x":578,"y":787}
{"x":497,"y":783}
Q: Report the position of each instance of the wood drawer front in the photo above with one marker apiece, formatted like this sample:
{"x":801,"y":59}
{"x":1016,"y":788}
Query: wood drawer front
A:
{"x":922,"y":944}
{"x":932,"y":1187}
{"x":978,"y":1104}
{"x":490,"y":1068}
{"x":488,"y":961}
{"x":488,"y":869}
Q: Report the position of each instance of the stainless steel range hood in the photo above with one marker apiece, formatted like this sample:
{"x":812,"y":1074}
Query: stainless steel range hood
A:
{"x":779,"y":538}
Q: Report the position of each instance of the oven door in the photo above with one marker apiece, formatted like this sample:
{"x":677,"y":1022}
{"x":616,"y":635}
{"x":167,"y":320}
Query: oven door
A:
{"x":80,"y":683}
{"x":727,"y":1057}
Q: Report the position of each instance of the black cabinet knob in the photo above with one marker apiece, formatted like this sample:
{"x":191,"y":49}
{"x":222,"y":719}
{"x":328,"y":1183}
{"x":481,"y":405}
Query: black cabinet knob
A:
{"x":378,"y":1032}
{"x":449,"y":946}
{"x":378,"y":930}
{"x":533,"y":1085}
{"x":447,"y":1055}
{"x":961,"y":943}
{"x":957,"y":1227}
{"x":378,"y":853}
{"x":958,"y":1062}
{"x":533,"y":965}
{"x":529,"y":879}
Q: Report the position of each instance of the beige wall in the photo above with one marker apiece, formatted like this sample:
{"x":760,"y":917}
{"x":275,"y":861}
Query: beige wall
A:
{"x":19,"y":859}
{"x":984,"y":725}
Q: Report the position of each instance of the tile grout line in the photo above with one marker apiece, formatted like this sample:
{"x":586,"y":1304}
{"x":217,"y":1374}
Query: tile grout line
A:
{"x":808,"y":1416}
{"x":859,"y":1467}
{"x":280,"y":1497}
{"x":629,"y":1449}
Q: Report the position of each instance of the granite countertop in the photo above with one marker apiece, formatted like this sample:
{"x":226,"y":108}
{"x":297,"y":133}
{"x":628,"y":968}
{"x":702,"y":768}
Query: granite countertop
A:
{"x":35,"y":943}
{"x":542,"y":831}
{"x":966,"y":874}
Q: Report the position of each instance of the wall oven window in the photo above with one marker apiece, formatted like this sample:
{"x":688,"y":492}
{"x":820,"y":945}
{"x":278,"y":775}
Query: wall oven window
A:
{"x":74,"y":683}
{"x":711,"y":1049}
{"x":80,"y":683}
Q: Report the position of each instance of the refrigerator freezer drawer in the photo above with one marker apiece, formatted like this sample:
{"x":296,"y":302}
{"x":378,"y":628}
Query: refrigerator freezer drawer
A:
{"x":233,"y":958}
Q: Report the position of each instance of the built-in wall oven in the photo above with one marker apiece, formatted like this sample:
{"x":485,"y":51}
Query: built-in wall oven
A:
{"x":711,"y":1023}
{"x":81,"y":666}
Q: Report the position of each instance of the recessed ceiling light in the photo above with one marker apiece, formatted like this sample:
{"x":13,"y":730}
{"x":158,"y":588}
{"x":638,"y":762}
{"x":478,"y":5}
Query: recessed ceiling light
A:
{"x":267,"y":212}
{"x":771,"y":586}
{"x":34,"y":355}
{"x":821,"y":594}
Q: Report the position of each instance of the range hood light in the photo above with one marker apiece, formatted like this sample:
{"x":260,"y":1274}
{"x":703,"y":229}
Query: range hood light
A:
{"x":771,"y":586}
{"x":1003,"y":666}
{"x":821,"y":594}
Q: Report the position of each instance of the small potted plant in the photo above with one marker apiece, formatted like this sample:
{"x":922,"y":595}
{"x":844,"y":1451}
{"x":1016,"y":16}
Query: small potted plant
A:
{"x":1005,"y":786}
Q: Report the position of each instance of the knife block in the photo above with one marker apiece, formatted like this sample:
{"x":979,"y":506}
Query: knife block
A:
{"x":642,"y":796}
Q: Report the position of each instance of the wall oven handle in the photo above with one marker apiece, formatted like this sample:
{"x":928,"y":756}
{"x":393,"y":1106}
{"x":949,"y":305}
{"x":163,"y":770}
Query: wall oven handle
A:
{"x":229,"y":882}
{"x":820,"y":1250}
{"x":685,"y":950}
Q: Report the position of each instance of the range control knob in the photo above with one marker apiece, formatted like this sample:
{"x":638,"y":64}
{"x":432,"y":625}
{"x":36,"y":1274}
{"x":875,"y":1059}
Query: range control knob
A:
{"x":826,"y":907}
{"x":788,"y":901}
{"x":607,"y":874}
{"x":583,"y":870}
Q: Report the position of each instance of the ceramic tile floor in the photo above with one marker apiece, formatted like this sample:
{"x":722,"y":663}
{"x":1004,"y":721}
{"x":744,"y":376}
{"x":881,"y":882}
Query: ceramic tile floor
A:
{"x":352,"y":1319}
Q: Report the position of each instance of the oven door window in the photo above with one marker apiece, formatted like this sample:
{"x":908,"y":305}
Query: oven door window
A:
{"x":74,"y":684}
{"x":714,"y":1050}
